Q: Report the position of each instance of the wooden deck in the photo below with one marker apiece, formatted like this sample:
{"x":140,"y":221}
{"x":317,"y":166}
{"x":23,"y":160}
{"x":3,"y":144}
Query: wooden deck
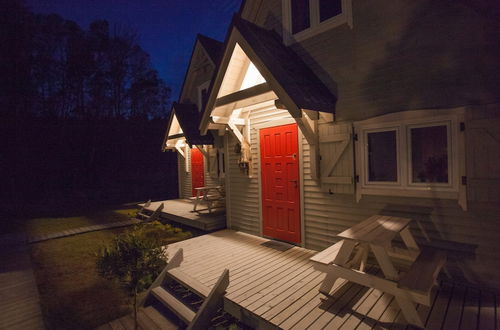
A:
{"x":181,"y":211}
{"x":19,"y":300}
{"x":274,"y":284}
{"x":82,"y":230}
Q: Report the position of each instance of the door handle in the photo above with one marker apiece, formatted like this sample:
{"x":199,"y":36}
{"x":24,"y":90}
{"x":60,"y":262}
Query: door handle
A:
{"x":294,"y":181}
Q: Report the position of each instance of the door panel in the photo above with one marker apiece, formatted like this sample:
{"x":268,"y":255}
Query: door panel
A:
{"x":197,"y":170}
{"x":280,"y":182}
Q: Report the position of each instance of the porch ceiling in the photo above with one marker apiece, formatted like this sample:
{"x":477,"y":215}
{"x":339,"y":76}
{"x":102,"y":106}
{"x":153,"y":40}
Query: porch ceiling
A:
{"x":183,"y":125}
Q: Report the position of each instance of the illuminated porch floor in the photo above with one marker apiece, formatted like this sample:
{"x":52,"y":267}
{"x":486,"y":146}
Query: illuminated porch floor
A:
{"x":275,"y":285}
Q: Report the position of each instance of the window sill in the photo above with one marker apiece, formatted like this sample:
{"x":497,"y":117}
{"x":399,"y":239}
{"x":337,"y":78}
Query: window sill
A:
{"x":422,"y":193}
{"x":317,"y":29}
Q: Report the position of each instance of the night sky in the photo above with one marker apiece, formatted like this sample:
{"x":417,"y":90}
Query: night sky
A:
{"x":166,"y":28}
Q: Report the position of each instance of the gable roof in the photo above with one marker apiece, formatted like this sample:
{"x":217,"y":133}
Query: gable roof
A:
{"x":214,"y":48}
{"x":287,"y":75}
{"x":189,"y":119}
{"x":288,"y":69}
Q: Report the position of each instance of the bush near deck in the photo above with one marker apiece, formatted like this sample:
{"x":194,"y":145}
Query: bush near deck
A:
{"x":72,"y":294}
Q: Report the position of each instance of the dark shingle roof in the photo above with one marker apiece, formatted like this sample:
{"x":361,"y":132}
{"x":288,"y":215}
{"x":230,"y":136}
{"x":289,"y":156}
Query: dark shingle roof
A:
{"x":213,"y":47}
{"x":189,"y":120}
{"x":289,"y":70}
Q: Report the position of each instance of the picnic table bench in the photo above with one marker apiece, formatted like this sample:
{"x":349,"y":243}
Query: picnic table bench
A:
{"x":210,"y":196}
{"x":346,"y":260}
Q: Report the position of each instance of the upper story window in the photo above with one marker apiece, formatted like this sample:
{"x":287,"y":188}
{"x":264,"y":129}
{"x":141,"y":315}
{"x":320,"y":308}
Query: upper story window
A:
{"x":304,"y":18}
{"x":203,"y":95}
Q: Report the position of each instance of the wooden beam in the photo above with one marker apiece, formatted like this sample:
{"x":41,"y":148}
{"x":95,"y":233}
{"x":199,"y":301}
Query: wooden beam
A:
{"x":236,"y":131}
{"x":203,"y":151}
{"x":179,"y":149}
{"x":308,"y":129}
{"x":216,"y":126}
{"x":243,"y":94}
{"x":326,"y":116}
{"x":175,"y":136}
{"x":225,"y":120}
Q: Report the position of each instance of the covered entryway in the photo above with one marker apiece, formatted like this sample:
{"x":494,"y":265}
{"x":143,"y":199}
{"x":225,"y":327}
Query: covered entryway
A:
{"x":197,"y":170}
{"x":260,"y":84}
{"x":280,"y":182}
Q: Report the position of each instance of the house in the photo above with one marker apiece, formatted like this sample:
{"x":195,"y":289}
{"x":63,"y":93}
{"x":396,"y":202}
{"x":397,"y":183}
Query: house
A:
{"x":197,"y":159}
{"x":327,"y":112}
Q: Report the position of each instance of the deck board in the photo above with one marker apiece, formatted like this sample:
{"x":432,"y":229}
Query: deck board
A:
{"x":455,"y":307}
{"x":487,"y":311}
{"x":436,"y":316}
{"x":181,"y":211}
{"x":19,"y":298}
{"x":470,"y":314}
{"x":270,"y":287}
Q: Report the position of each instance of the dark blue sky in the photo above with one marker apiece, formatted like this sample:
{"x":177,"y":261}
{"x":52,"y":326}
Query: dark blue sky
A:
{"x":167,"y":28}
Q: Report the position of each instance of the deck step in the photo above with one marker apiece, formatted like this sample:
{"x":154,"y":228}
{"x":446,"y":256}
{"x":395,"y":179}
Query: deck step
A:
{"x":175,"y":305}
{"x":424,"y":271}
{"x":145,"y":322}
{"x":160,"y":321}
{"x":189,"y":282}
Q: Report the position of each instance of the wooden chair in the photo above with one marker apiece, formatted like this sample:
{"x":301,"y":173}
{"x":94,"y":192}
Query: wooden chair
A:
{"x":142,"y":214}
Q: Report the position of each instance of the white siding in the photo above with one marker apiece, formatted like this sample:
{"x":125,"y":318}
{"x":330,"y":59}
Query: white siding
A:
{"x":184,"y":177}
{"x":326,"y":215}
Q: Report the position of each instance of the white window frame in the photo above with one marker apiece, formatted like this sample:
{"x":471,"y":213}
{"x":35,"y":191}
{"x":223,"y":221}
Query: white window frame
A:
{"x":404,"y":122}
{"x":201,"y":87}
{"x":316,"y":26}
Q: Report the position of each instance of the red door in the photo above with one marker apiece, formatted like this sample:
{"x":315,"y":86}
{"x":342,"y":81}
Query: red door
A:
{"x":197,"y":173}
{"x":280,"y":182}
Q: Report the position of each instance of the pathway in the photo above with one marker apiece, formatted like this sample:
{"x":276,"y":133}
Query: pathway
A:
{"x":19,"y":300}
{"x":81,"y":230}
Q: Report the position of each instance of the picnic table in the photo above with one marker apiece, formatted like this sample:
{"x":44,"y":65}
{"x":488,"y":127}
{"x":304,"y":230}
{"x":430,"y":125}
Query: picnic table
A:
{"x":346,"y":260}
{"x":208,"y":196}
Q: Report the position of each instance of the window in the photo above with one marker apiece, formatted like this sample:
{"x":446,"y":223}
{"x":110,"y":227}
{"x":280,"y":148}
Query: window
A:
{"x":329,"y":9}
{"x":429,"y":154}
{"x":414,"y":154}
{"x":203,"y":95}
{"x":304,"y":18}
{"x":382,"y":156}
{"x":300,"y":15}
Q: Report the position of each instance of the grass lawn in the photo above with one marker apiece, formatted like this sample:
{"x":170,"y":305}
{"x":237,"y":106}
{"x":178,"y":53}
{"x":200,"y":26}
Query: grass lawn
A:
{"x":73,"y":295}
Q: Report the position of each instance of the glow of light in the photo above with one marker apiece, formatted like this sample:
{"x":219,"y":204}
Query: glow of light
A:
{"x":252,"y":77}
{"x":175,"y":128}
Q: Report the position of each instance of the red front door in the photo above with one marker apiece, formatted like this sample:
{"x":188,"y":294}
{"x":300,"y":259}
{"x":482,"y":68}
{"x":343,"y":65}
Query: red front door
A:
{"x":280,"y":182}
{"x":197,"y":173}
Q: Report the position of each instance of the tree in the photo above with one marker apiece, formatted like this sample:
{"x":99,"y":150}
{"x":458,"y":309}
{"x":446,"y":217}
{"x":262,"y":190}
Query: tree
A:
{"x":134,"y":261}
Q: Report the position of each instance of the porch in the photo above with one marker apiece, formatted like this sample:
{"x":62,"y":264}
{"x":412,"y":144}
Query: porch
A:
{"x":274,"y":284}
{"x":181,"y":211}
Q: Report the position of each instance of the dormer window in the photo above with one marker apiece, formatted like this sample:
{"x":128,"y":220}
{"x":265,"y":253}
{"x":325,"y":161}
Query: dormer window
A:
{"x":203,"y":95}
{"x":304,"y":18}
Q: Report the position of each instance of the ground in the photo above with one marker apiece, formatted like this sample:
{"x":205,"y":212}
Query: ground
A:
{"x":72,"y":294}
